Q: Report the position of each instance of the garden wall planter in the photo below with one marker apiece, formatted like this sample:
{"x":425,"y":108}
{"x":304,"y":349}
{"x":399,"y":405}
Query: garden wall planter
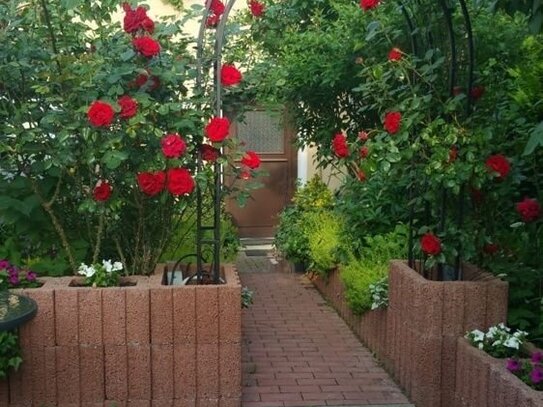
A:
{"x":483,"y":381}
{"x":426,"y":318}
{"x":140,"y":345}
{"x":371,"y":327}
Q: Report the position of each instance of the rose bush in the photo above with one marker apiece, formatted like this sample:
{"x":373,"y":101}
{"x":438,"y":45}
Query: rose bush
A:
{"x":101,"y":133}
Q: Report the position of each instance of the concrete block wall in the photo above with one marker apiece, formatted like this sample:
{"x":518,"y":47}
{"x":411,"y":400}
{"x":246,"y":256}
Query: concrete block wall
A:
{"x":416,"y":337}
{"x":143,"y":345}
{"x":483,"y":381}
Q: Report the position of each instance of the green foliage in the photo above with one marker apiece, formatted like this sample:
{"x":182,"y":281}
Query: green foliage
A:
{"x":10,"y":353}
{"x":290,"y":238}
{"x":359,"y":274}
{"x":246,"y":297}
{"x":314,"y":195}
{"x":323,"y":230}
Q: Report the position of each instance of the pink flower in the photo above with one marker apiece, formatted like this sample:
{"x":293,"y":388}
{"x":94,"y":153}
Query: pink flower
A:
{"x":369,"y":4}
{"x":257,"y":8}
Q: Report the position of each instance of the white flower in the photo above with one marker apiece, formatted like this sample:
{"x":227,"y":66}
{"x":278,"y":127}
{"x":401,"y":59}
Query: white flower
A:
{"x":107,"y":265}
{"x":87,"y":271}
{"x":520,"y":334}
{"x":117,"y":266}
{"x":481,"y":345}
{"x":492,"y":331}
{"x":512,"y":342}
{"x":478,"y":336}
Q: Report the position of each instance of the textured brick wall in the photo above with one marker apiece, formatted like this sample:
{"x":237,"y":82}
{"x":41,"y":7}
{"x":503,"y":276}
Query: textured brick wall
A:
{"x":482,"y":381}
{"x":416,"y":337}
{"x":140,"y":346}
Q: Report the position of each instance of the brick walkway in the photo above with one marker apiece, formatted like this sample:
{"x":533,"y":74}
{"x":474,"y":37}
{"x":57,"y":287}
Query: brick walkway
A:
{"x":299,"y":352}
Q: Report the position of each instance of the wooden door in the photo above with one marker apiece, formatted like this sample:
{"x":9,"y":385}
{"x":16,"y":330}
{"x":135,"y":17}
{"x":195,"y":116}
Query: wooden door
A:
{"x":267,"y":134}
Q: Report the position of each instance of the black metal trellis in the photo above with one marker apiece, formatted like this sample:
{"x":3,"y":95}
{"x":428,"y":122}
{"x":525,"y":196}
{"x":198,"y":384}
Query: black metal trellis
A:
{"x":455,"y":63}
{"x":215,"y":227}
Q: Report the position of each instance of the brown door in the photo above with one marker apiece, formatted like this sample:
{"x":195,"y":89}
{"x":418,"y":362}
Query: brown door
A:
{"x":267,"y":134}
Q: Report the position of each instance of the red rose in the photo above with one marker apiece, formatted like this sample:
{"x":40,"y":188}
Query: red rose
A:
{"x":217,"y":7}
{"x":129,"y":106}
{"x":529,"y":209}
{"x":173,"y":146}
{"x":499,"y":165}
{"x":143,"y":79}
{"x":453,"y":154}
{"x":180,"y":181}
{"x":151,"y":183}
{"x":100,"y":114}
{"x":430,"y":244}
{"x":245,"y":175}
{"x":364,"y":151}
{"x":395,"y":54}
{"x":257,"y":8}
{"x":146,"y":46}
{"x":217,"y":129}
{"x":363,"y":136}
{"x":102,"y":191}
{"x":339,"y":145}
{"x":133,"y":18}
{"x":251,"y":160}
{"x":392,"y":122}
{"x":368,"y":4}
{"x":230,"y":75}
{"x":491,"y":248}
{"x":361,"y":175}
{"x":148,"y":25}
{"x":212,"y":21}
{"x":457,"y":90}
{"x":209,"y":153}
{"x":477,"y":92}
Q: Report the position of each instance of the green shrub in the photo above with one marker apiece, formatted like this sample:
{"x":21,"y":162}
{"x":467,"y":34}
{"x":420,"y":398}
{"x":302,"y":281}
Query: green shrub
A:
{"x":314,"y":195}
{"x":290,"y":238}
{"x":359,"y":274}
{"x":323,"y":229}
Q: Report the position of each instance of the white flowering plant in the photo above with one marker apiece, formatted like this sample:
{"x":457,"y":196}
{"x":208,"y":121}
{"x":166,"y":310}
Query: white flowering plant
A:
{"x":379,"y":294}
{"x":499,"y":341}
{"x":101,"y":275}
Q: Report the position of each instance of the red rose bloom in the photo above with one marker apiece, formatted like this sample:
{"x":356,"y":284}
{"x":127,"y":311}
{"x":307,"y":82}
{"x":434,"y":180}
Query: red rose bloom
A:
{"x":361,"y":175}
{"x":257,"y":8}
{"x":133,"y":19}
{"x":251,"y":160}
{"x":368,"y":4}
{"x":477,"y":92}
{"x":245,"y":175}
{"x":392,"y":122}
{"x":339,"y":145}
{"x":146,"y":46}
{"x":430,"y":244}
{"x":102,"y":191}
{"x":363,"y":136}
{"x":217,"y":129}
{"x":143,"y":80}
{"x":230,"y":75}
{"x":173,"y":146}
{"x":491,"y":248}
{"x":395,"y":54}
{"x":129,"y":106}
{"x":212,"y":21}
{"x":498,"y":164}
{"x":529,"y":209}
{"x":217,"y":7}
{"x":209,"y":153}
{"x":364,"y":151}
{"x":180,"y":182}
{"x":148,"y":25}
{"x":151,"y":183}
{"x":453,"y":154}
{"x":100,"y":114}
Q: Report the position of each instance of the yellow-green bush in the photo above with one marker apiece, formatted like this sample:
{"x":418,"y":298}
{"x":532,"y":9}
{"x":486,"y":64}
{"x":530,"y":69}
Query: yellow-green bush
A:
{"x":323,"y":229}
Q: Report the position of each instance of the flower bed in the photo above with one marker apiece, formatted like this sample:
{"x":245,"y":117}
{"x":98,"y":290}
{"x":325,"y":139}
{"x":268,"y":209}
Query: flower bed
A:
{"x":483,"y":381}
{"x":141,"y":344}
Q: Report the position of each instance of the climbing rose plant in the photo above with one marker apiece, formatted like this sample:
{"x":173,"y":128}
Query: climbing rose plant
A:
{"x":104,"y":132}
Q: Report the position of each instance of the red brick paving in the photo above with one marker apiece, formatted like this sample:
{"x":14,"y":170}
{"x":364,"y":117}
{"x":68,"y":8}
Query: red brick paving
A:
{"x":299,"y":352}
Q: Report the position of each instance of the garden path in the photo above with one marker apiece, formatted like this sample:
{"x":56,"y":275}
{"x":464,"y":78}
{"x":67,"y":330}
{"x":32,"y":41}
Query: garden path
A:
{"x":298,"y":352}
